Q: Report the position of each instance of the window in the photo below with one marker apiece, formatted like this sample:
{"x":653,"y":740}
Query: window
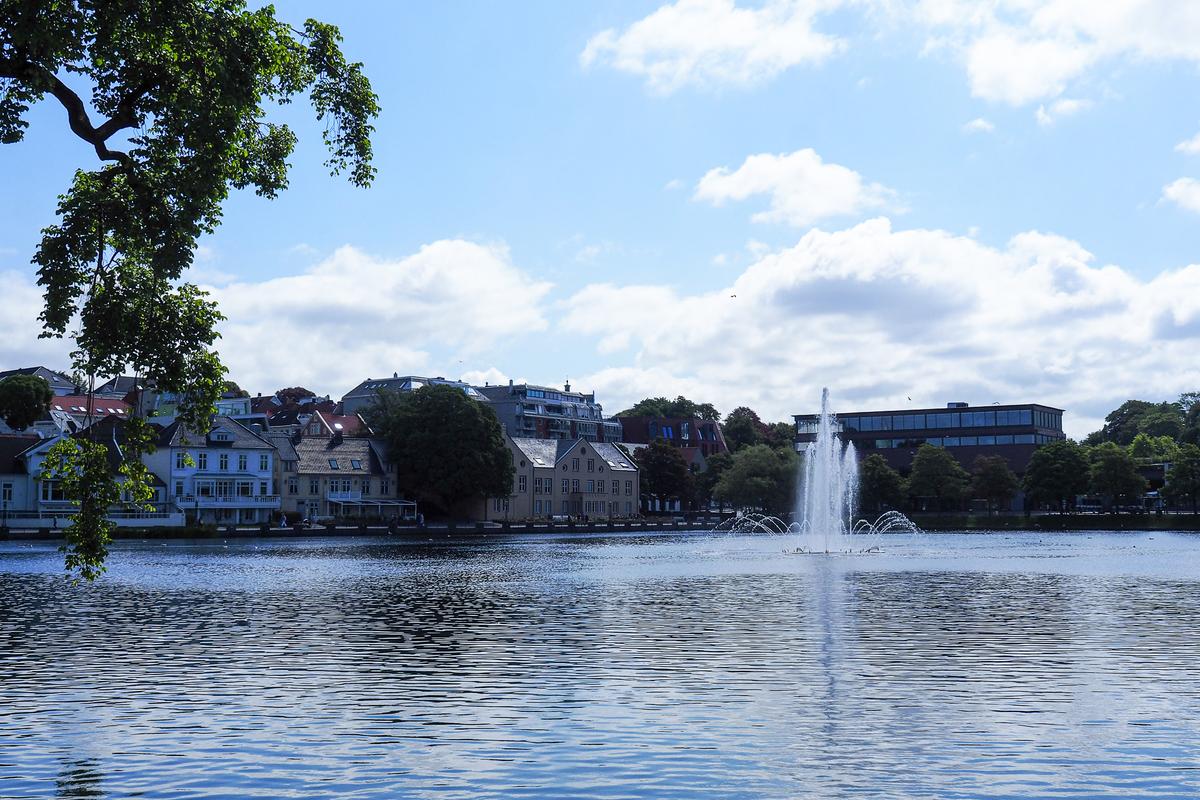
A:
{"x":566,"y":507}
{"x":333,"y":463}
{"x":202,"y":461}
{"x":180,"y":459}
{"x":355,"y":464}
{"x":293,"y":486}
{"x":346,"y":485}
{"x":566,"y":486}
{"x":537,"y":506}
{"x":616,"y":487}
{"x":223,"y":462}
{"x":591,"y":465}
{"x":366,"y":486}
{"x":264,"y":462}
{"x":628,"y":488}
{"x":242,"y":462}
{"x":575,"y":485}
{"x":314,"y":486}
{"x":574,"y":465}
{"x":385,"y":487}
{"x":263,"y":489}
{"x":522,"y":485}
{"x":178,"y":488}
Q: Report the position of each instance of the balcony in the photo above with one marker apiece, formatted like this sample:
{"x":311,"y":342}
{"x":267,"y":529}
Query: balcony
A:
{"x":189,"y":501}
{"x":343,"y":496}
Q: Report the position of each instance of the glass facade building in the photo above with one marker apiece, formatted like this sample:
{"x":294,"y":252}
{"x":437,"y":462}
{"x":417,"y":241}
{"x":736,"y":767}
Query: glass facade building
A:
{"x":1011,"y":431}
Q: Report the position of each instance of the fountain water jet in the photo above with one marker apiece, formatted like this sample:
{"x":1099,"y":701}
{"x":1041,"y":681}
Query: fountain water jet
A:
{"x":829,"y":489}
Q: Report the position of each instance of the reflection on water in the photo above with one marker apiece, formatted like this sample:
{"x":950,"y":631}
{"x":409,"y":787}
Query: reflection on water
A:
{"x":949,"y":667}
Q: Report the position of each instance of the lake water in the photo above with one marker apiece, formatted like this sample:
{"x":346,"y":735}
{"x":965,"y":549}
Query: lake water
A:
{"x":949,"y":666}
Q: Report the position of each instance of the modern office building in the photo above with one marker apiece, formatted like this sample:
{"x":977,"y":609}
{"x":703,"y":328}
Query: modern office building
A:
{"x":541,"y":412}
{"x":1011,"y":431}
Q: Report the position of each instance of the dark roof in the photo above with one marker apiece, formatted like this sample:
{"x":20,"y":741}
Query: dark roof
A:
{"x":548,"y":452}
{"x":56,"y":379}
{"x":283,"y":443}
{"x":110,"y":432}
{"x":178,"y":435}
{"x":120,"y":385}
{"x":10,"y":448}
{"x":315,"y":452}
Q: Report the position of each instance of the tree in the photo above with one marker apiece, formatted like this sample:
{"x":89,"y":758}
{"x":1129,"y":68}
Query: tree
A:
{"x":1113,"y":473}
{"x":447,"y":448}
{"x":1183,"y":478}
{"x":23,"y":400}
{"x":706,"y":482}
{"x":760,"y":478}
{"x":993,"y":481}
{"x":742,"y":428}
{"x":1057,"y":472}
{"x":937,"y":475}
{"x":233,"y":390}
{"x":779,"y":434}
{"x":294,"y":394}
{"x":1191,"y":419}
{"x":1155,"y":449}
{"x":1140,"y":416}
{"x":663,"y":472}
{"x":679,"y":407}
{"x":182,"y":91}
{"x":879,"y":486}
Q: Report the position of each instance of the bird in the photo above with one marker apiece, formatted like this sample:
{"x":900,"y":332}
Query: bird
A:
{"x":909,"y":399}
{"x":733,"y":295}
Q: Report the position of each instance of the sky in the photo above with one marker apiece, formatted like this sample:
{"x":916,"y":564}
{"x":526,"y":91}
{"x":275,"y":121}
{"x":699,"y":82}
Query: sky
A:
{"x":910,"y":202}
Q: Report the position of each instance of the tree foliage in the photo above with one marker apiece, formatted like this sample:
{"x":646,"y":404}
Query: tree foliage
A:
{"x":446,"y":447}
{"x":1140,"y":416}
{"x":1057,"y":472}
{"x":1153,"y":448}
{"x":23,"y":400}
{"x":679,"y":407}
{"x":1183,"y":478}
{"x":880,"y":487}
{"x":177,"y":117}
{"x":294,"y":394}
{"x":993,"y":481}
{"x":1113,"y":473}
{"x":742,"y":428}
{"x":706,"y":481}
{"x":663,"y":472}
{"x":937,"y":476}
{"x":760,"y":478}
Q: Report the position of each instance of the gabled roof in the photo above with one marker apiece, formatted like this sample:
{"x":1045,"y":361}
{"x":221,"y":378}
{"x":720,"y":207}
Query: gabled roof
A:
{"x":77,"y":406}
{"x":316,"y":453}
{"x":120,"y":385}
{"x":539,"y":452}
{"x":282,"y":441}
{"x":10,"y":448}
{"x":178,"y":435}
{"x":351,"y":425}
{"x":551,"y":452}
{"x":59,"y":381}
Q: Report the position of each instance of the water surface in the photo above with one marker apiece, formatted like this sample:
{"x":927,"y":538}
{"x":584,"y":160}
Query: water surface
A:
{"x":949,"y":666}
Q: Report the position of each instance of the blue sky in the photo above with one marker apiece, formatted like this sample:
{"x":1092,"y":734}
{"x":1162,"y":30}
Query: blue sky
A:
{"x":930,"y":200}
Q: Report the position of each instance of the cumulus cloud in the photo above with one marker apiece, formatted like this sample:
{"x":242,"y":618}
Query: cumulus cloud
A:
{"x":19,"y":327}
{"x":1183,"y":192}
{"x":714,"y":43}
{"x":881,"y":315}
{"x":354,"y":315}
{"x":1189,"y":146}
{"x":803,"y":188}
{"x":978,"y":125}
{"x":1063,"y":107}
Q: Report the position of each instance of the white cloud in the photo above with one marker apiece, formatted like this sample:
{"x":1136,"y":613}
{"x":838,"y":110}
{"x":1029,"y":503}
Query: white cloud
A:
{"x":1189,"y":146}
{"x":478,"y":377}
{"x":19,"y":327}
{"x":1063,"y":107}
{"x":978,"y":125}
{"x":354,"y":315}
{"x":1183,"y":192}
{"x":880,"y":315}
{"x":803,"y":188}
{"x":714,"y":43}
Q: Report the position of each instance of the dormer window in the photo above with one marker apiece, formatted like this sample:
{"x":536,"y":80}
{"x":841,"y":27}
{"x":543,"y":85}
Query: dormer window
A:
{"x":333,"y":464}
{"x":355,"y":464}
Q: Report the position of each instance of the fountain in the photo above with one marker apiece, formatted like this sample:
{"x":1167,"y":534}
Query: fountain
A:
{"x":826,"y":498}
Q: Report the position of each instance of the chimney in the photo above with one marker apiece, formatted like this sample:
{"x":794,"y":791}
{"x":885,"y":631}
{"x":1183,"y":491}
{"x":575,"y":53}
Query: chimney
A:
{"x":395,"y":375}
{"x":337,"y":437}
{"x":510,"y":386}
{"x":567,"y":385}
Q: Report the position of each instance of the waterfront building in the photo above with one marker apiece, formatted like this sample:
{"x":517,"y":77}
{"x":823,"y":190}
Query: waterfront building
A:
{"x":1010,"y":431}
{"x":685,"y":432}
{"x":343,"y":476}
{"x":71,"y":413}
{"x":363,"y":395}
{"x":559,"y":478}
{"x":542,"y":412}
{"x":226,"y":476}
{"x":60,"y":382}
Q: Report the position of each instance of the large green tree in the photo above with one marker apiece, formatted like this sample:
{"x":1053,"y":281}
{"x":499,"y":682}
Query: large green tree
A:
{"x":1056,"y":473}
{"x":1153,"y":448}
{"x":760,"y":478}
{"x":742,"y":428}
{"x":1140,"y":416}
{"x":679,"y":407}
{"x":880,"y":487}
{"x":1183,"y":478}
{"x":936,"y":476}
{"x":993,"y":481}
{"x":1113,"y":474}
{"x":172,"y":98}
{"x":23,"y":400}
{"x":706,"y":481}
{"x":663,"y":472}
{"x":447,"y":448}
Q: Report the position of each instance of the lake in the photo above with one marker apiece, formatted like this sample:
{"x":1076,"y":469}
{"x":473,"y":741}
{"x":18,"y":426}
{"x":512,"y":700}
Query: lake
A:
{"x":633,"y":666}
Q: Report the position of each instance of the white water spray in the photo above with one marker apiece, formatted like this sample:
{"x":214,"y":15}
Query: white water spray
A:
{"x":829,"y":488}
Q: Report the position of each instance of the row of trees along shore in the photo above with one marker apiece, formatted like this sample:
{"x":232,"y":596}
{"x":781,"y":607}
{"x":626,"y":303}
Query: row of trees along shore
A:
{"x":761,"y":469}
